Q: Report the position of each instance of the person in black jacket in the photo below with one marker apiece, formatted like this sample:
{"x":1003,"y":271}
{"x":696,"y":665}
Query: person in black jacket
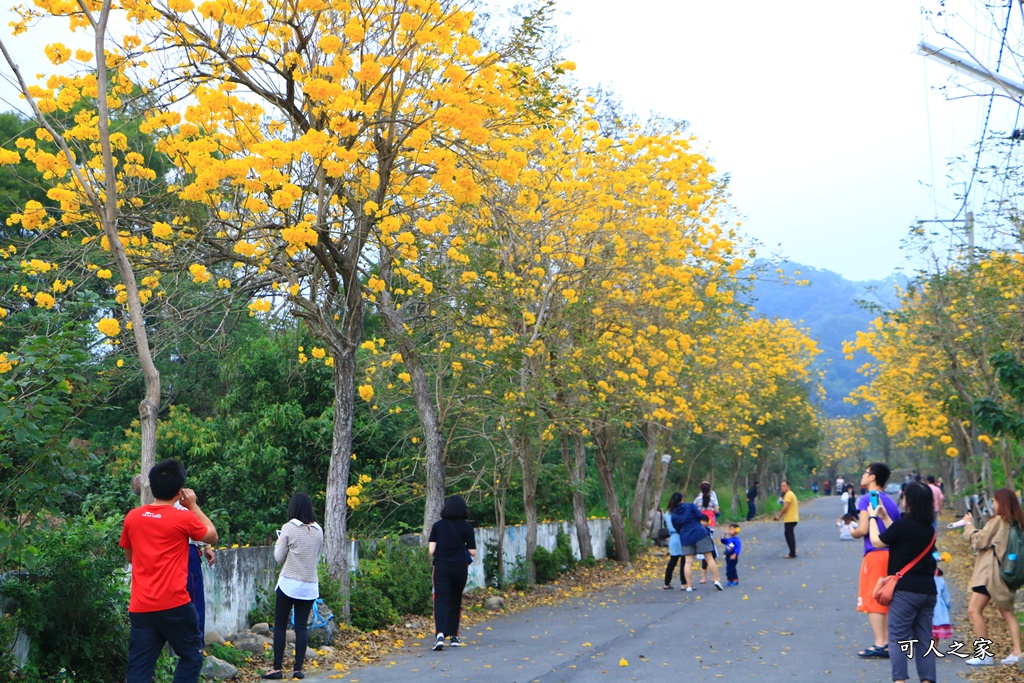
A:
{"x":452,"y":546}
{"x":913,"y":602}
{"x":752,"y":501}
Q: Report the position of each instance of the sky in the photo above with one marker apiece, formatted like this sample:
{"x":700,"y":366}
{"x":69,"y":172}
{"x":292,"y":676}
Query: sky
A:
{"x":831,"y":128}
{"x":834,"y":133}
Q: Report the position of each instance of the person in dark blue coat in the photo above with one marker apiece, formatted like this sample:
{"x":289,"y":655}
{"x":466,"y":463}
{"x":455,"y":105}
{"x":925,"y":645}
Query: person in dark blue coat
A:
{"x":693,"y":537}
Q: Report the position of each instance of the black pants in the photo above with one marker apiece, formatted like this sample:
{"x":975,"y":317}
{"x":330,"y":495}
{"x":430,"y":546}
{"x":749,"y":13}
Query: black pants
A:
{"x":751,"y":509}
{"x":449,"y":582}
{"x":149,"y":632}
{"x":673,"y":561}
{"x":282,"y":610}
{"x":791,"y":538}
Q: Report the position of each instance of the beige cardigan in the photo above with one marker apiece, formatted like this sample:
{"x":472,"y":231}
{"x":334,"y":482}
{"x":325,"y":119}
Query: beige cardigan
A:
{"x":990,"y":544}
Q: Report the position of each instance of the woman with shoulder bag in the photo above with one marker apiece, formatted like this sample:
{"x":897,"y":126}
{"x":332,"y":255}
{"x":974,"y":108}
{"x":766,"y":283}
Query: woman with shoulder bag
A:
{"x":911,"y":569}
{"x":986,"y":583}
{"x":452,"y":547}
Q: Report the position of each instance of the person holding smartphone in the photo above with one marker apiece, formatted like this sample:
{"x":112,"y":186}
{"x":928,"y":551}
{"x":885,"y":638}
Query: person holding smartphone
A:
{"x":875,"y":563}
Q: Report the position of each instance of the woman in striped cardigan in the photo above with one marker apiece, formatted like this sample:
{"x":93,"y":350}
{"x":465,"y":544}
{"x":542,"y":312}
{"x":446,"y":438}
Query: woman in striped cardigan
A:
{"x":299,"y":544}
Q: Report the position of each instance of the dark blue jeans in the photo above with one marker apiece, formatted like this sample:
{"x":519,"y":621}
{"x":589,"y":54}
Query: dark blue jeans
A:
{"x":195,"y":586}
{"x":730,"y":569}
{"x":751,"y":509}
{"x":150,"y":630}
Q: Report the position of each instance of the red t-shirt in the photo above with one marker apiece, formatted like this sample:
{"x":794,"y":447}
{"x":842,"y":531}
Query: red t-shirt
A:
{"x":158,"y":537}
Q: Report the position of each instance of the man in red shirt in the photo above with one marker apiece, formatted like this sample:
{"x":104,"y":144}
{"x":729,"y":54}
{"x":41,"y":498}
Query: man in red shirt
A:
{"x":155,"y":541}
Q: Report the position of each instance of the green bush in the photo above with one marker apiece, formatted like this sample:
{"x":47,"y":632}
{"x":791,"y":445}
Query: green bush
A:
{"x":227,"y":653}
{"x":396,"y":579}
{"x":563,"y":551}
{"x":635,"y":541}
{"x":492,"y":575}
{"x":8,"y":634}
{"x":262,"y":610}
{"x":73,"y":604}
{"x":371,"y":609}
{"x":546,"y":565}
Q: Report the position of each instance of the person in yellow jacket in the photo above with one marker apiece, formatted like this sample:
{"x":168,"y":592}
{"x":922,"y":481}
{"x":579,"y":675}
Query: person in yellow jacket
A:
{"x":789,"y":515}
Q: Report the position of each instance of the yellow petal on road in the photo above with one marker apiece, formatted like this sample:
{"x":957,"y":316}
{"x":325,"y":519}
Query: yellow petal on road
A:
{"x":623,"y":662}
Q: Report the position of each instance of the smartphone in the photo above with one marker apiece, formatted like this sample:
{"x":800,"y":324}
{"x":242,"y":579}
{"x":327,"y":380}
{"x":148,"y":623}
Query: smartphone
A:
{"x":874,"y":499}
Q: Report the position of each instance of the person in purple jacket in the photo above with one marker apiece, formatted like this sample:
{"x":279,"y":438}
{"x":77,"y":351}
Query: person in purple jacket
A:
{"x":875,"y":564}
{"x":693,"y":537}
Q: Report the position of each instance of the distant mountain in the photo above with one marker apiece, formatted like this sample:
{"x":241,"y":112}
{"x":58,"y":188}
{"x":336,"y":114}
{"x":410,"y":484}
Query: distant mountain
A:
{"x":828,"y":307}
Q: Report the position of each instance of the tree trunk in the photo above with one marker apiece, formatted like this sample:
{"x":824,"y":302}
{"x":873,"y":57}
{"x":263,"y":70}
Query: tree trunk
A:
{"x":603,"y":439}
{"x":336,"y":515}
{"x":638,"y":512}
{"x":736,"y":510}
{"x":531,"y":472}
{"x":425,"y":409}
{"x":666,"y":460}
{"x":575,"y":460}
{"x":499,"y":505}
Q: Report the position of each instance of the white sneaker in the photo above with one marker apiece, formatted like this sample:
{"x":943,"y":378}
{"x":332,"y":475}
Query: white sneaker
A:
{"x":1012,"y":659}
{"x":718,"y":585}
{"x":980,"y":661}
{"x":689,"y":589}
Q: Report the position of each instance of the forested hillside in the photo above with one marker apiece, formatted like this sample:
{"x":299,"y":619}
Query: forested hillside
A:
{"x":833,"y":309}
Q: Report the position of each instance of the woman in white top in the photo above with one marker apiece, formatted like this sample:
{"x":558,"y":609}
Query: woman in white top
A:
{"x":299,"y":544}
{"x":707,"y":503}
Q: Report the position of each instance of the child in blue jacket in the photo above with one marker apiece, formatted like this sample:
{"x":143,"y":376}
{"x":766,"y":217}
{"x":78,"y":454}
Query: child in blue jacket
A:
{"x":733,"y":546}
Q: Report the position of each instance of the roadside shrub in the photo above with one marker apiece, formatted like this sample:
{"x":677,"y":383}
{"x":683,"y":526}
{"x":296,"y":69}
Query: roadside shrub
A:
{"x":492,"y":577}
{"x":392,"y":581}
{"x":370,"y":608}
{"x":228,"y":654}
{"x":546,"y":565}
{"x":635,"y":541}
{"x":263,"y":607}
{"x":8,"y":634}
{"x":73,"y":604}
{"x":563,"y":551}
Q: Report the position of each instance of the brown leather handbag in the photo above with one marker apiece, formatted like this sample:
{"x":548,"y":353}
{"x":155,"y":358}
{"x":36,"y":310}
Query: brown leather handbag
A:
{"x":886,"y":585}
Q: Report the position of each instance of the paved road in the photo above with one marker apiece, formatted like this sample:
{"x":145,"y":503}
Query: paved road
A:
{"x":788,"y":619}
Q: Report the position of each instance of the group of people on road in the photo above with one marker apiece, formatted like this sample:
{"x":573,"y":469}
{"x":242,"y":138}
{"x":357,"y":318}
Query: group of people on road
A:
{"x":691,"y":528}
{"x":166,"y":606}
{"x":899,"y":547}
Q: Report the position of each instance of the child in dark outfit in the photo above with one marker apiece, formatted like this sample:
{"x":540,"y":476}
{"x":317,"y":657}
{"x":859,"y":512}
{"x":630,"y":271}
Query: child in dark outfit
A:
{"x":733,"y":546}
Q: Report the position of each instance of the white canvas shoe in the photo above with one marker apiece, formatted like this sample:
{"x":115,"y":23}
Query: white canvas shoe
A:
{"x":1012,"y":659}
{"x":980,"y":661}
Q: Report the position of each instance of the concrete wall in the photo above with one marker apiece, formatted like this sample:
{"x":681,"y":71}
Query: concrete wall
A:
{"x":237,"y":576}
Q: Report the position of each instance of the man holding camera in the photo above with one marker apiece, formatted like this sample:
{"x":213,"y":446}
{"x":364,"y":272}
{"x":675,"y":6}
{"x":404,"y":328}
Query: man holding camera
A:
{"x":876,"y":560}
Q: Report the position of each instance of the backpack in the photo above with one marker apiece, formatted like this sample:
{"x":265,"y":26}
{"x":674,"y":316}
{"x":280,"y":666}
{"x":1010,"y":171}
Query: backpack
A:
{"x":1011,"y":569}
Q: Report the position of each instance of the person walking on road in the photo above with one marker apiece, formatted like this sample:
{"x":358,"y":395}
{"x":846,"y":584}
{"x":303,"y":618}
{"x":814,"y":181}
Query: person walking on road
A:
{"x":452,"y":545}
{"x":675,"y":548}
{"x":790,"y":516}
{"x":876,"y":560}
{"x":752,"y":501}
{"x":910,"y":540}
{"x":938,"y":497}
{"x":986,"y":583}
{"x":299,"y":544}
{"x":155,"y":542}
{"x":693,"y":537}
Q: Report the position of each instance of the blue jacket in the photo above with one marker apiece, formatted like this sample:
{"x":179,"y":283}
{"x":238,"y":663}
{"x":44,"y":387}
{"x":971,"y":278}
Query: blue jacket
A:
{"x":733,"y":546}
{"x":940,"y":617}
{"x":686,"y":521}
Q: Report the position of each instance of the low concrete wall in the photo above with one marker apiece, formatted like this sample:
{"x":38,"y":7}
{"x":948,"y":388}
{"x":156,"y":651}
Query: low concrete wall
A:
{"x":237,"y":576}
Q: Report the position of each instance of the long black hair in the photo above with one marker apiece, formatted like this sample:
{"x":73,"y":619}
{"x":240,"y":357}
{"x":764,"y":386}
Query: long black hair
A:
{"x":920,"y":503}
{"x":301,"y":508}
{"x":705,"y":501}
{"x":674,"y":500}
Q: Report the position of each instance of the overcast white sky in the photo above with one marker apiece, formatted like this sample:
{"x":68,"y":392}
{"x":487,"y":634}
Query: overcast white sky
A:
{"x":819,"y":110}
